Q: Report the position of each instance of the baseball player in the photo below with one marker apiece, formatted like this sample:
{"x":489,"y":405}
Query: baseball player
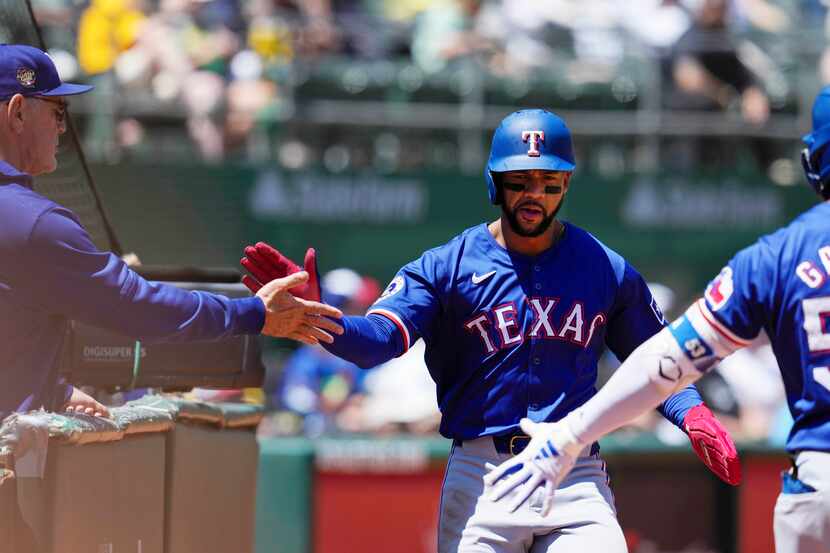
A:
{"x":780,"y":284}
{"x":514,"y":315}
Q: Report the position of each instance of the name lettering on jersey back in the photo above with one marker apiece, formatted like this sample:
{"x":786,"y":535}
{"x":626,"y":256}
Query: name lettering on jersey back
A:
{"x":499,"y":328}
{"x":810,"y":274}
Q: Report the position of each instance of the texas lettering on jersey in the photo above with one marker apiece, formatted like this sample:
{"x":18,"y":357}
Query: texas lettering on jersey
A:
{"x":499,"y":327}
{"x":490,"y":315}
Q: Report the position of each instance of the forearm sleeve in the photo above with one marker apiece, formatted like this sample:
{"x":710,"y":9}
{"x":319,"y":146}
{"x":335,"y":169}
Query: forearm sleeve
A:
{"x":67,"y":274}
{"x":367,"y":341}
{"x":650,"y":374}
{"x":670,"y":360}
{"x":678,"y":404}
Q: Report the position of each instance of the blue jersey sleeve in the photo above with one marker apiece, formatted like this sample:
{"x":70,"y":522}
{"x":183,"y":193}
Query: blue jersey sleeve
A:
{"x":636,"y":316}
{"x":412,"y":301}
{"x":734,"y":300}
{"x":367,"y":341}
{"x":678,"y":404}
{"x":67,"y":274}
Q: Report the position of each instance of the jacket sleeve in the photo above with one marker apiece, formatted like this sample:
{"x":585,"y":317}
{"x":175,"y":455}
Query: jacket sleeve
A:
{"x":65,"y":273}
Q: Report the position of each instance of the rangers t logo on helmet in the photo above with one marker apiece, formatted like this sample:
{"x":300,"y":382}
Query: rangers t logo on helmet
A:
{"x":533,"y":138}
{"x":517,"y":146}
{"x":815,"y":158}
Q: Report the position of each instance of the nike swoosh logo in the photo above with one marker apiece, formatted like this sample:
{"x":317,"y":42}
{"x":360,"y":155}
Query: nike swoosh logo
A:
{"x":479,"y":279}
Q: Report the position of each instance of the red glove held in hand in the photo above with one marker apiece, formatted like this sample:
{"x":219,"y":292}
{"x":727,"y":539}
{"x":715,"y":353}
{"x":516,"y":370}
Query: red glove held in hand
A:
{"x":265,"y":263}
{"x":712,"y":443}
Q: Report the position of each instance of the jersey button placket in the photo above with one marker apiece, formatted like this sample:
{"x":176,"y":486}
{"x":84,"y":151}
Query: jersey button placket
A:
{"x":535,"y":362}
{"x":535,"y":358}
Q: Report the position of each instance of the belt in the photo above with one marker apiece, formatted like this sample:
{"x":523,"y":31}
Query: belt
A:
{"x":513,"y":444}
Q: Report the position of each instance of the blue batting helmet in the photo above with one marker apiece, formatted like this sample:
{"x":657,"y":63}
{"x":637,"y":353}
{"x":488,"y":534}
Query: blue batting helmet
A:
{"x":815,"y":158}
{"x":528,"y":139}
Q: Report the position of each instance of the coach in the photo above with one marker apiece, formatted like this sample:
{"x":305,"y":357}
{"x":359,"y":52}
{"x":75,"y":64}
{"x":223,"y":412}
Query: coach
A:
{"x":50,"y":271}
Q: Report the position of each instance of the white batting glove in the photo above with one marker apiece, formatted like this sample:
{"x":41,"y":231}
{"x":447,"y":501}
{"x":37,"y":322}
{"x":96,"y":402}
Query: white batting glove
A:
{"x":547,"y":459}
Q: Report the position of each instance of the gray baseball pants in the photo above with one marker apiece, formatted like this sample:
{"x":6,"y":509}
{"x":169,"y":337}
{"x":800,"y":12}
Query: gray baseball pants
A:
{"x":802,"y":520}
{"x":583,"y":517}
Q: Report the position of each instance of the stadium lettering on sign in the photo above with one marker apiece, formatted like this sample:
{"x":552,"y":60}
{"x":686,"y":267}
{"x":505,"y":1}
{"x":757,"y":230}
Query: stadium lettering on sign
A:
{"x":324,"y":198}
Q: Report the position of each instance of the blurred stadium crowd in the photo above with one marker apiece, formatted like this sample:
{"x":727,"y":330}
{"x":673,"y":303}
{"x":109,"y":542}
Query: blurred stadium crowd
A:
{"x":243,"y":72}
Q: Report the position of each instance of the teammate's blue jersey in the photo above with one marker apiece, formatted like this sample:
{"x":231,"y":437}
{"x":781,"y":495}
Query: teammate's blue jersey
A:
{"x":509,"y":336}
{"x":782,"y":284}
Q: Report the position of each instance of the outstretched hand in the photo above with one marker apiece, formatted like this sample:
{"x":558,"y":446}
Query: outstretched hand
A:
{"x":265,"y":263}
{"x":546,"y":460}
{"x":287,"y":316}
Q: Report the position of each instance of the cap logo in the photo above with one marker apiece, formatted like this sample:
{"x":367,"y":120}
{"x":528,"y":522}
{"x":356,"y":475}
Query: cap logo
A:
{"x":26,"y":77}
{"x":533,"y":138}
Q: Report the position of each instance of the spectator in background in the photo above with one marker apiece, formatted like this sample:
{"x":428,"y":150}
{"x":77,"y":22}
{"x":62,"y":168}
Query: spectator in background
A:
{"x":280,"y":29}
{"x":709,"y":72}
{"x":106,"y":29}
{"x":531,"y":34}
{"x":373,"y":30}
{"x":183,"y":52}
{"x":325,"y":390}
{"x":249,"y":97}
{"x":269,"y":33}
{"x":708,"y":75}
{"x":222,"y":60}
{"x":447,"y":31}
{"x":277,"y":32}
{"x":56,"y":19}
{"x":658,"y":24}
{"x":763,"y":15}
{"x":211,"y":40}
{"x":319,"y":34}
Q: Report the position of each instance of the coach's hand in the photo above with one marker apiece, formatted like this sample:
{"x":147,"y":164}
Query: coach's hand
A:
{"x":80,"y":402}
{"x":547,"y":459}
{"x":265,"y":263}
{"x":713,"y":444}
{"x":287,"y":316}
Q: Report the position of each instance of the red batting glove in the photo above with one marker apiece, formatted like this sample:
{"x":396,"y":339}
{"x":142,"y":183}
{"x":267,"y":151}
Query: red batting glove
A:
{"x":265,"y":263}
{"x":713,"y":444}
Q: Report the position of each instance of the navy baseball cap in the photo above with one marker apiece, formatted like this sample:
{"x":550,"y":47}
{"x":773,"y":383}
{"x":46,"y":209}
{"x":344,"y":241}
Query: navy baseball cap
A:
{"x":29,"y":71}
